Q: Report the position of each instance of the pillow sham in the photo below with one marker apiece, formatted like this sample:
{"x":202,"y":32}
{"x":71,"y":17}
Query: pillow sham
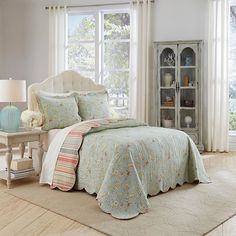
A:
{"x":93,"y":105}
{"x":58,"y":112}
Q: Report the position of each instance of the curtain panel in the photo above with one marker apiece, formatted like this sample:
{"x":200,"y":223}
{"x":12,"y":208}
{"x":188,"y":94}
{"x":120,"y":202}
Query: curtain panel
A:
{"x":140,"y":74}
{"x":57,"y":39}
{"x":217,"y":87}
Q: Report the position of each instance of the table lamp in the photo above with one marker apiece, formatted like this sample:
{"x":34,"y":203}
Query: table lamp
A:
{"x":11,"y":91}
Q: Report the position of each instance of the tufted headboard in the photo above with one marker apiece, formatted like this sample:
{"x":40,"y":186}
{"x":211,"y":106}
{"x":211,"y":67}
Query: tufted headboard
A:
{"x":65,"y":82}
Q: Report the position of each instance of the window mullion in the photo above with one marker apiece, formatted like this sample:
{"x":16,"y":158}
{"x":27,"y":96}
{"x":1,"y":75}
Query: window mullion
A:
{"x":97,"y":48}
{"x":102,"y":47}
{"x":232,"y":71}
{"x":116,"y":40}
{"x":66,"y":35}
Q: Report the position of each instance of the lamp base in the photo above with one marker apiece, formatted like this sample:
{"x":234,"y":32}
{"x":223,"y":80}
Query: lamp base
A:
{"x":10,"y":119}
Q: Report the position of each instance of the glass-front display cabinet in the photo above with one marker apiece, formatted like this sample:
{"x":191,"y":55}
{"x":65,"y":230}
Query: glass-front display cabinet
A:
{"x":177,"y":73}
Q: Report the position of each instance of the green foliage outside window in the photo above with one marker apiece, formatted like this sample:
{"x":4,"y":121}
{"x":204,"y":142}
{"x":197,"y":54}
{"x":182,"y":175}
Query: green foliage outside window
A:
{"x":116,"y":52}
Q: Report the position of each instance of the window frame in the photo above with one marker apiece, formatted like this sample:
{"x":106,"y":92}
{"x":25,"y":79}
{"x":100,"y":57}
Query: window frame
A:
{"x":98,"y":13}
{"x":99,"y":41}
{"x":232,"y":133}
{"x":81,"y":41}
{"x":103,"y":41}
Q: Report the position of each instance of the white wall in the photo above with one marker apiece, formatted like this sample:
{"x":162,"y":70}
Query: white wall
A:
{"x":180,"y":19}
{"x":25,"y":39}
{"x":184,"y":20}
{"x":25,"y":31}
{"x":24,"y":53}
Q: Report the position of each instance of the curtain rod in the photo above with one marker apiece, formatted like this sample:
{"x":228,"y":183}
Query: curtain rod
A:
{"x":99,"y":5}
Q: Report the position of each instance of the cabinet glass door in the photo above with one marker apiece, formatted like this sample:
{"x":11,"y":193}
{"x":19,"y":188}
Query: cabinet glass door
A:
{"x":167,"y":86}
{"x":188,"y":84}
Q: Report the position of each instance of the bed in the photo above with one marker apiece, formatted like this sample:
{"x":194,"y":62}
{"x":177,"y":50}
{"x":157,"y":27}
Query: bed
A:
{"x":63,"y":83}
{"x":122,"y":161}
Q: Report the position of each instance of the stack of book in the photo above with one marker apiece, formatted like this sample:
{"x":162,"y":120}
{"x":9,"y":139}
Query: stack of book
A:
{"x":15,"y":174}
{"x":21,"y":168}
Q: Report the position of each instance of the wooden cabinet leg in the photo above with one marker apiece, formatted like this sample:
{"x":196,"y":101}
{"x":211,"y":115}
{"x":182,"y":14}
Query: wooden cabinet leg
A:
{"x":8,"y":161}
{"x":40,"y":156}
{"x":22,"y":150}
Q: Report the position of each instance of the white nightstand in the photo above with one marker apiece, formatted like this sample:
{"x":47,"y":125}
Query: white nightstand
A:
{"x":23,"y":135}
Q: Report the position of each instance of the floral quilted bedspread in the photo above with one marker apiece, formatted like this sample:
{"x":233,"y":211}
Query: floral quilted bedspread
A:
{"x":124,"y":161}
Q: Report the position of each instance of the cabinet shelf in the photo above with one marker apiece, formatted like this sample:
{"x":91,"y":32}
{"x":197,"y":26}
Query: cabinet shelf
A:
{"x":163,"y":107}
{"x":188,"y":129}
{"x":188,"y":67}
{"x":188,"y":87}
{"x":167,"y":67}
{"x":167,"y":87}
{"x":188,"y":108}
{"x":181,"y":59}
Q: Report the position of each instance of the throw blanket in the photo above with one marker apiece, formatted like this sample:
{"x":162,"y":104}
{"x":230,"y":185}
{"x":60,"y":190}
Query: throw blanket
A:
{"x":122,"y":161}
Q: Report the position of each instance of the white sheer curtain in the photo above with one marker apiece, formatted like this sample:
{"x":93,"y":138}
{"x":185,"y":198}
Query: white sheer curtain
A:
{"x":57,"y":39}
{"x":140,"y":59}
{"x":218,"y":95}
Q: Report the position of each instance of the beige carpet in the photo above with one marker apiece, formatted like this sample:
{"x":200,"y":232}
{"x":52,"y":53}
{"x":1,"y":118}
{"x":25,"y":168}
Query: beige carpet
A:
{"x":187,"y":210}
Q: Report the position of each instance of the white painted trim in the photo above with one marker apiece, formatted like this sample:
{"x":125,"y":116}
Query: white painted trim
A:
{"x":116,"y":40}
{"x":66,"y":43}
{"x":117,"y":70}
{"x":85,"y":41}
{"x":102,"y":47}
{"x":232,"y":141}
{"x":232,"y":134}
{"x":97,"y":47}
{"x":86,"y":69}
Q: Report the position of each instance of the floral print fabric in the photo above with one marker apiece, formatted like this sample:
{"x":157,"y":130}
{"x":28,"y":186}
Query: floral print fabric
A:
{"x":125,"y":164}
{"x":93,"y":105}
{"x":58,"y":113}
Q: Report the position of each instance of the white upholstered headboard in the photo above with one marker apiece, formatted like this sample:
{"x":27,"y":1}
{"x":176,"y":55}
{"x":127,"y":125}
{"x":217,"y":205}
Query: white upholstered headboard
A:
{"x":65,"y":82}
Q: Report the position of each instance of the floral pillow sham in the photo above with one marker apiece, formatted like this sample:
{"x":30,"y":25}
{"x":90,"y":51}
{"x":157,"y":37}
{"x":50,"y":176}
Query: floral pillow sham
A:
{"x":58,"y":112}
{"x":93,"y":105}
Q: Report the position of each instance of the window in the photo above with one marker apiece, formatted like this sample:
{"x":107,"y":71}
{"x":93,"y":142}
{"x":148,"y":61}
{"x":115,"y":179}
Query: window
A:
{"x":81,"y":44}
{"x":232,"y":68}
{"x":99,"y":48}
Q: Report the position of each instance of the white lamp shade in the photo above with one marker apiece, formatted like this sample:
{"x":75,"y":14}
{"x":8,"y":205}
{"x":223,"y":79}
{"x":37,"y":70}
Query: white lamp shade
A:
{"x":12,"y":90}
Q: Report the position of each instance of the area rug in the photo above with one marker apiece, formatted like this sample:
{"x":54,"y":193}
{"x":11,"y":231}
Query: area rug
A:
{"x":192,"y":209}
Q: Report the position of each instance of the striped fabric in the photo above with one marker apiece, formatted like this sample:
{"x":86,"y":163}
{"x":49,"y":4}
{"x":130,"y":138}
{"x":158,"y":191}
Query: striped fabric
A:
{"x":64,"y":174}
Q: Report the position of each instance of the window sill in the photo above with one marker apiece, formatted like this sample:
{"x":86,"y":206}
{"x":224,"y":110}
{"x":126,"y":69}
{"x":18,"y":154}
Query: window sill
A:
{"x":232,"y":133}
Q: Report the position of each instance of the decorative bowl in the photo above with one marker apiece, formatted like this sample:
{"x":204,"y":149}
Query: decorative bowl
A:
{"x":167,"y":123}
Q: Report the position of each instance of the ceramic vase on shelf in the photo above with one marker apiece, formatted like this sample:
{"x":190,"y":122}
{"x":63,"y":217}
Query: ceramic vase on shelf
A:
{"x":168,"y":79}
{"x":188,"y":120}
{"x":188,"y":61}
{"x":167,"y":123}
{"x":186,"y":81}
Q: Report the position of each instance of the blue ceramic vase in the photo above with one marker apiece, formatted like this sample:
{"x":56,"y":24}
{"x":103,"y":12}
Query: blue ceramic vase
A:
{"x":10,"y":119}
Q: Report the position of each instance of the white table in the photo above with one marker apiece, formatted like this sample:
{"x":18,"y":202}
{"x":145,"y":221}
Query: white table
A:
{"x":20,"y":137}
